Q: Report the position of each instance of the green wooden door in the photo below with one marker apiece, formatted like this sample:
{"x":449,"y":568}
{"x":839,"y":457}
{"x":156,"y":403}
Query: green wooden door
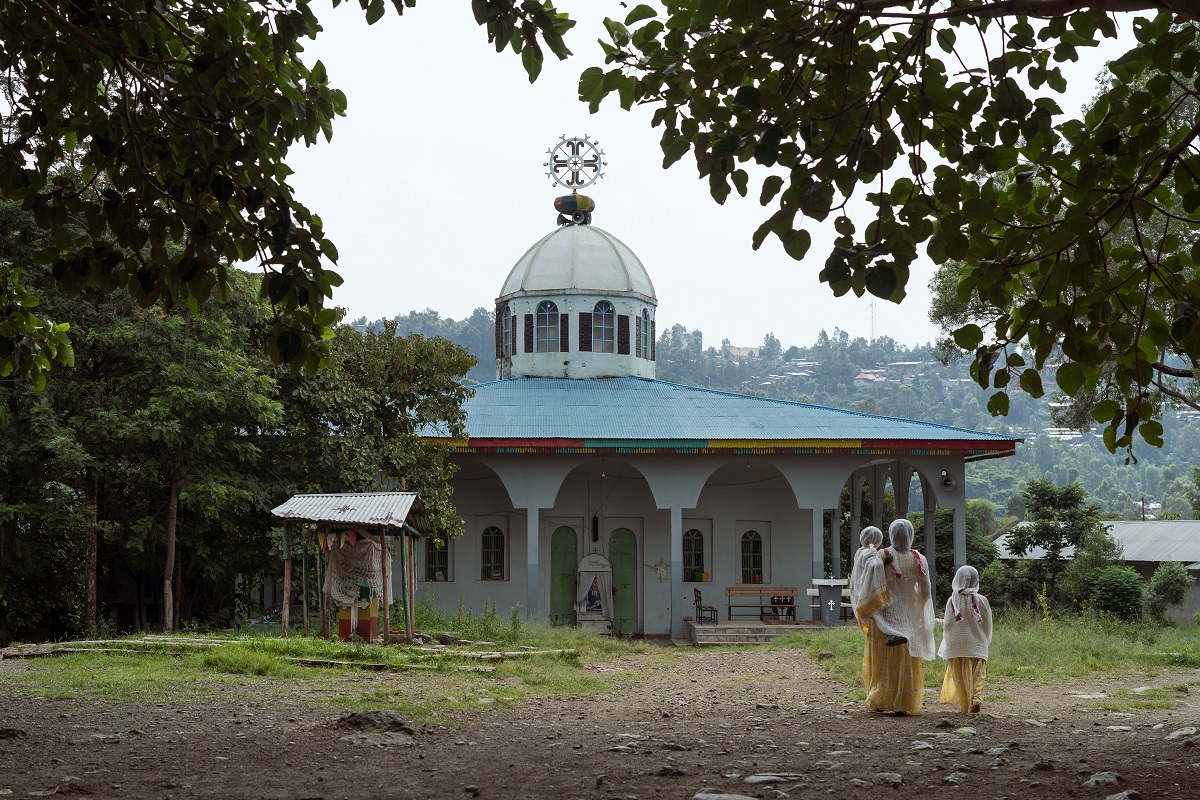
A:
{"x":622,"y":553}
{"x":564,"y":561}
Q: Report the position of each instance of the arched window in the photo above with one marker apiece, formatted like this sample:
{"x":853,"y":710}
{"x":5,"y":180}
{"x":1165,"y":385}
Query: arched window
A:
{"x":546,"y":328}
{"x":752,"y":557}
{"x":645,"y":333}
{"x":693,"y":555}
{"x":437,"y":559}
{"x":506,"y":332}
{"x":491,"y":556}
{"x":604,"y":328}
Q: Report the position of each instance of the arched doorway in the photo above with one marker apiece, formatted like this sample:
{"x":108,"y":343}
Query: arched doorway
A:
{"x":622,"y":553}
{"x":563,"y":563}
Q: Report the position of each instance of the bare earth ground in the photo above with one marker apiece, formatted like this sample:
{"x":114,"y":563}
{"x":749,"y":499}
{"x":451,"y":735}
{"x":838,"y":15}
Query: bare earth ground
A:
{"x":713,"y":721}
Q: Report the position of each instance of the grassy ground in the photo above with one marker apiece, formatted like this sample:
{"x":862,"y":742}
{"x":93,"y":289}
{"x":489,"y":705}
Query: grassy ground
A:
{"x":434,"y":688}
{"x":1027,"y":649}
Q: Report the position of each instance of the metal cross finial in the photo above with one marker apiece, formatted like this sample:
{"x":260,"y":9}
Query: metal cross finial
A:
{"x":575,"y":163}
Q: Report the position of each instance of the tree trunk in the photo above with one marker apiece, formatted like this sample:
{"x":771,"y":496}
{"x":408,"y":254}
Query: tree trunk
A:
{"x":91,"y":553}
{"x":169,"y":567}
{"x":178,"y":587}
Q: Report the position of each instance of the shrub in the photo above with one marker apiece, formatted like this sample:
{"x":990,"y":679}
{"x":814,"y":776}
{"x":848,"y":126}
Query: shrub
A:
{"x":1006,"y":586}
{"x":1168,"y":586}
{"x":1097,"y":550}
{"x":1118,"y":591}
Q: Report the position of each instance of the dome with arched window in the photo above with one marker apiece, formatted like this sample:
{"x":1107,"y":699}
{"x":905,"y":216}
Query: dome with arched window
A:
{"x":578,"y":304}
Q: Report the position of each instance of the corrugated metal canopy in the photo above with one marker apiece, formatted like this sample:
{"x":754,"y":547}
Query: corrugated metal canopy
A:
{"x":390,"y":510}
{"x":1151,"y":541}
{"x":643,"y":410}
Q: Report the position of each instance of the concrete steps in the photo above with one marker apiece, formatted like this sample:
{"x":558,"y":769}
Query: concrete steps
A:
{"x":739,"y":633}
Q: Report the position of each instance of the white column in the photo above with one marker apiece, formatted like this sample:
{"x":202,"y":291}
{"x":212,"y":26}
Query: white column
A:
{"x":818,"y":544}
{"x":533,"y":588}
{"x":677,"y":573}
{"x":878,"y":482}
{"x":960,"y":535}
{"x":930,"y":503}
{"x":902,"y":480}
{"x":855,"y":507}
{"x":835,"y":535}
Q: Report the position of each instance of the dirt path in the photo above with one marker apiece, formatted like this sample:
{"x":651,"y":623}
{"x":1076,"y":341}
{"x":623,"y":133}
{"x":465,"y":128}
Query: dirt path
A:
{"x":713,"y":721}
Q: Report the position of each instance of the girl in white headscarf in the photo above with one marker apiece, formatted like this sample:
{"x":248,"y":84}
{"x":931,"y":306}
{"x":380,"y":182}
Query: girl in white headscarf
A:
{"x":896,"y":683}
{"x":966,"y":636}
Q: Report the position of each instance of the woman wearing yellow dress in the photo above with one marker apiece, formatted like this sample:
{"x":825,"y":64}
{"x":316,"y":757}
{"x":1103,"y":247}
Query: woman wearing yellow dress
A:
{"x":869,"y":594}
{"x":895,"y":683}
{"x":966,"y":636}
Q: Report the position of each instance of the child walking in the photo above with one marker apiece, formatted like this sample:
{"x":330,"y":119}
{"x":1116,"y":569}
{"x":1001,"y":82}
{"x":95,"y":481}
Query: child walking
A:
{"x":966,"y":635}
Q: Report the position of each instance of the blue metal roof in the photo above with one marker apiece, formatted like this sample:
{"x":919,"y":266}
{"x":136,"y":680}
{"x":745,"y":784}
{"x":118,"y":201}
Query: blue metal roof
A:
{"x":641,"y":409}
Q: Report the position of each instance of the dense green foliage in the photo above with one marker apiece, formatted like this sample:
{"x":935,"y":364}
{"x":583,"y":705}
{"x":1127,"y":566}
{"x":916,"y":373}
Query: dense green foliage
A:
{"x":1118,"y":591}
{"x":981,"y":551}
{"x":136,"y":484}
{"x":1168,"y":586}
{"x":150,"y":143}
{"x":1075,"y":236}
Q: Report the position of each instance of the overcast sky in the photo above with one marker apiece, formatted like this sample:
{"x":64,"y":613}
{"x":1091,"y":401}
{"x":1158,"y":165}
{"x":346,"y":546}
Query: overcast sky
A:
{"x":434,"y":186}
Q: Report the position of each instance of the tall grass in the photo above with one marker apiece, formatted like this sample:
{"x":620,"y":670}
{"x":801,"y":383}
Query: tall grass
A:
{"x":1029,"y":649}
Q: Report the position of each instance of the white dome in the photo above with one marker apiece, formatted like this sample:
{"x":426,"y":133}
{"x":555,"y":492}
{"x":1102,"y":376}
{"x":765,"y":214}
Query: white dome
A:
{"x":577,"y":259}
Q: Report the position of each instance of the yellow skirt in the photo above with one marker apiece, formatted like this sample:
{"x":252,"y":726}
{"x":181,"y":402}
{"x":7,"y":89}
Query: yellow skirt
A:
{"x":893,"y":678}
{"x":963,"y":685}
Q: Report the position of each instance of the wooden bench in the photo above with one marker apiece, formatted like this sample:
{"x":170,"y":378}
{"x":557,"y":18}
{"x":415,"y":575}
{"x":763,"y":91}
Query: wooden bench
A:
{"x":847,"y":610}
{"x":704,"y":614}
{"x":764,"y":602}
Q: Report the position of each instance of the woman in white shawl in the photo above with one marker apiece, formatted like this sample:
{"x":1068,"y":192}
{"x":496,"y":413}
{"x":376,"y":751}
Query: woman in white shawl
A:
{"x":869,"y":596}
{"x":966,"y":636}
{"x":895,"y":683}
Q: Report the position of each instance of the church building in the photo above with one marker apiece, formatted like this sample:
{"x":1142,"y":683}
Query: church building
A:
{"x":595,"y":494}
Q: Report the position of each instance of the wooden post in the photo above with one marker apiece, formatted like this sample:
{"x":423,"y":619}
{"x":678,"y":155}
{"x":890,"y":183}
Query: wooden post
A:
{"x":385,"y":616}
{"x":410,"y":619}
{"x":404,"y":584}
{"x":285,"y":617}
{"x":324,"y":594}
{"x":304,"y":577}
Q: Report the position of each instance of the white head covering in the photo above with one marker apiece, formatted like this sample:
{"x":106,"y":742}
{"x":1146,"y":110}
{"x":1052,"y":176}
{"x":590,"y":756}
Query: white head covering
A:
{"x":900,"y":532}
{"x":965,"y":585}
{"x":866,"y":575}
{"x":870,"y":537}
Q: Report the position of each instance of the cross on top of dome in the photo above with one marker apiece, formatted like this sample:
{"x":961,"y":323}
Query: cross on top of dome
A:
{"x":575,"y":163}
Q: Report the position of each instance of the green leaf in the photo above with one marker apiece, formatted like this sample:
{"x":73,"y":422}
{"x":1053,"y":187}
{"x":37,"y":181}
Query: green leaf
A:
{"x":1070,"y":377}
{"x":796,"y":243}
{"x":375,"y":12}
{"x":531,"y":59}
{"x":771,"y":186}
{"x":968,"y":337}
{"x":997,"y":404}
{"x":1031,"y":383}
{"x":639,"y":13}
{"x":881,"y":281}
